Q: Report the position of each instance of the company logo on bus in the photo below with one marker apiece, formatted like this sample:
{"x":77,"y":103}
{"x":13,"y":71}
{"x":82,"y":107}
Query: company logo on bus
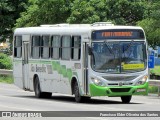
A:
{"x":120,"y":83}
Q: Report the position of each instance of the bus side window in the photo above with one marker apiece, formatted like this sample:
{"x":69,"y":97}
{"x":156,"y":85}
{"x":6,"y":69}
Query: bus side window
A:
{"x":66,"y":47}
{"x":55,"y":46}
{"x":36,"y":43}
{"x":18,"y":47}
{"x":76,"y":47}
{"x":45,"y":47}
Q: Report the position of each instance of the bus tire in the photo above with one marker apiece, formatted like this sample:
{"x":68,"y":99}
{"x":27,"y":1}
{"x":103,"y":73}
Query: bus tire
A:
{"x":78,"y":97}
{"x":47,"y":94}
{"x":126,"y":99}
{"x":38,"y":92}
{"x":85,"y":99}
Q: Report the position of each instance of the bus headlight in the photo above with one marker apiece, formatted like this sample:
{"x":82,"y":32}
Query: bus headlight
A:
{"x":142,"y":80}
{"x":98,"y":82}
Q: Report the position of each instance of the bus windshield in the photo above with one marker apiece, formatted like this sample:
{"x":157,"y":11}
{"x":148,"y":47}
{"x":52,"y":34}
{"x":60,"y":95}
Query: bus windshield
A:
{"x":118,"y":56}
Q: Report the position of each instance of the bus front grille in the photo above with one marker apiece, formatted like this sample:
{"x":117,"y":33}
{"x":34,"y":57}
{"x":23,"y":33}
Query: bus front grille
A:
{"x":120,"y":89}
{"x":119,"y":78}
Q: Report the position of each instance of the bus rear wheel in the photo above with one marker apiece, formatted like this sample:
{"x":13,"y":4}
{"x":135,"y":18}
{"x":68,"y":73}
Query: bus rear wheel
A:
{"x":38,"y":92}
{"x":126,"y":99}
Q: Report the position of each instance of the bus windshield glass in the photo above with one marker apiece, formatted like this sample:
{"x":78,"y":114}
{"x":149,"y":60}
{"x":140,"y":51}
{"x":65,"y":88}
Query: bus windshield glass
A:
{"x":118,"y":56}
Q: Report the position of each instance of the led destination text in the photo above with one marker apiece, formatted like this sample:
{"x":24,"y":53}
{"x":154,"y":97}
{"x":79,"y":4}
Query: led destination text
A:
{"x":113,"y":34}
{"x":117,"y":34}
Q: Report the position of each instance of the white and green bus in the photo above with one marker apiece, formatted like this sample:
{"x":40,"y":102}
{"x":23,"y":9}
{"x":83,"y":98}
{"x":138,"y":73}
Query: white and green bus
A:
{"x":84,"y":60}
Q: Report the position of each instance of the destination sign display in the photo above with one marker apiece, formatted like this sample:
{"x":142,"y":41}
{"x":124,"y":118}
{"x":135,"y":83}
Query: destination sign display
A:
{"x":117,"y":34}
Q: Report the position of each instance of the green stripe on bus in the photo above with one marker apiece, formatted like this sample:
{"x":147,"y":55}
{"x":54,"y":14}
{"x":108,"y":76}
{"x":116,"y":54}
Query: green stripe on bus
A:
{"x":61,"y":69}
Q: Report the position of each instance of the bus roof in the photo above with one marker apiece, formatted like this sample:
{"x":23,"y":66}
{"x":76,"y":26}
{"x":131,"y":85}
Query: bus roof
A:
{"x":69,"y":28}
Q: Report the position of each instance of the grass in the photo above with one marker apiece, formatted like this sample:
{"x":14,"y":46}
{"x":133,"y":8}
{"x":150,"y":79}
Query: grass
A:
{"x":6,"y":79}
{"x":155,"y":70}
{"x":153,"y":89}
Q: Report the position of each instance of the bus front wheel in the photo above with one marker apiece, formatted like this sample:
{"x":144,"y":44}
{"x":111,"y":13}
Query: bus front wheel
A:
{"x":38,"y":92}
{"x":78,"y":97}
{"x":126,"y":99}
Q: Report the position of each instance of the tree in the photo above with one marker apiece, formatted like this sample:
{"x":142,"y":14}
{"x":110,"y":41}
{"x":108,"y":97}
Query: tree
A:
{"x":9,"y":12}
{"x":126,"y":12}
{"x":44,"y":12}
{"x":88,"y":11}
{"x":151,"y":25}
{"x":120,"y":11}
{"x":81,"y":11}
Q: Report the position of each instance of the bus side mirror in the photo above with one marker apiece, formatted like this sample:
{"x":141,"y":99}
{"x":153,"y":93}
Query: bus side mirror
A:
{"x":90,"y":52}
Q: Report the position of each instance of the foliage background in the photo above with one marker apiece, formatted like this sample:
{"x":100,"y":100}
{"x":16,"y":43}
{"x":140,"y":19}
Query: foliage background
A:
{"x":5,"y":61}
{"x":24,"y":13}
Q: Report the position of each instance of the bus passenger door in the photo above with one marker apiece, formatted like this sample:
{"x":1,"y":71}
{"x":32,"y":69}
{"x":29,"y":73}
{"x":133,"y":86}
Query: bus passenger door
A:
{"x":25,"y":66}
{"x":85,"y":66}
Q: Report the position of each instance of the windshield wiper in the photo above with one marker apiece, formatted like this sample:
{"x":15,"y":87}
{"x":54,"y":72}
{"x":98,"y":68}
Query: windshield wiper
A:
{"x":109,"y":48}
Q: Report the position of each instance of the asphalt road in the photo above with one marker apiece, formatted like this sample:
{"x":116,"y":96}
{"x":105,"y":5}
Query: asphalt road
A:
{"x":14,"y":99}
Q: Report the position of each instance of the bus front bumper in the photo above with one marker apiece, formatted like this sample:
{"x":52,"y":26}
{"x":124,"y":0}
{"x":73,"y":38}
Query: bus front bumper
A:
{"x":117,"y":91}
